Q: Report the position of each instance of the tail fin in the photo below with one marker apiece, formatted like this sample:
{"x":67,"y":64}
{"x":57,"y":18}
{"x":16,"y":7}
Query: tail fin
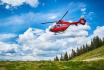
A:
{"x":82,"y":21}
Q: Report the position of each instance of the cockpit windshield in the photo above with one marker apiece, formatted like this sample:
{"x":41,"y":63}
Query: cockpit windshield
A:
{"x":57,"y":25}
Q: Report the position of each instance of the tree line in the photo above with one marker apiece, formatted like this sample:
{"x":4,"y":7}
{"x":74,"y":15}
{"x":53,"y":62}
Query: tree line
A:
{"x":96,"y":42}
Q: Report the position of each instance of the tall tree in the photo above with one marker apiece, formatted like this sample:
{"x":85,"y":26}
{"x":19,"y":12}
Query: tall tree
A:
{"x":66,"y":57}
{"x":87,"y":46}
{"x":73,"y":54}
{"x":61,"y":58}
{"x":78,"y":52}
{"x":56,"y":58}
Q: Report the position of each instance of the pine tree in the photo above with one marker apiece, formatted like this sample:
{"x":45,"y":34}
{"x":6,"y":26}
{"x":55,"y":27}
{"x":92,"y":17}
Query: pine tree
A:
{"x":81,"y":50}
{"x":86,"y":47}
{"x":61,"y":58}
{"x":78,"y":52}
{"x":73,"y":54}
{"x":97,"y":42}
{"x":92,"y":46}
{"x":56,"y":59}
{"x":66,"y":57}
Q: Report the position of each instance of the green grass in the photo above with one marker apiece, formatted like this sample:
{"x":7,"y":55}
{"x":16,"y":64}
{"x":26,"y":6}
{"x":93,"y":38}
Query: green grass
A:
{"x":48,"y":65}
{"x":97,"y":53}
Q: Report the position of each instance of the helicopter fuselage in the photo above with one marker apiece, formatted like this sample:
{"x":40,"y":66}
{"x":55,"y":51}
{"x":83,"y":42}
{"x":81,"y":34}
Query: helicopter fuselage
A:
{"x":62,"y":25}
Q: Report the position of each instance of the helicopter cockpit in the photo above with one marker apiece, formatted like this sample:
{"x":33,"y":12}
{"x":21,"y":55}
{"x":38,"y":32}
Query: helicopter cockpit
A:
{"x":57,"y":25}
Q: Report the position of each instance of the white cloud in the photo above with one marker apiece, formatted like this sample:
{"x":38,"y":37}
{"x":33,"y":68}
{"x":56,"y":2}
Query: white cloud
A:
{"x":16,"y":3}
{"x":7,"y":47}
{"x":47,"y":45}
{"x":13,"y":2}
{"x":30,"y":35}
{"x":36,"y":44}
{"x":99,"y":32}
{"x":32,"y":3}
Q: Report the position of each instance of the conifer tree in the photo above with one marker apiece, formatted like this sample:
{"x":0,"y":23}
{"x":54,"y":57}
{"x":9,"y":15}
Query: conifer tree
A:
{"x":66,"y":57}
{"x":73,"y":53}
{"x":61,"y":58}
{"x":78,"y":52}
{"x":86,"y":47}
{"x":56,"y":58}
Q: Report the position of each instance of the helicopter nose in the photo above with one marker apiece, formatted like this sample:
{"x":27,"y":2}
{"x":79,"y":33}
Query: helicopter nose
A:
{"x":51,"y":30}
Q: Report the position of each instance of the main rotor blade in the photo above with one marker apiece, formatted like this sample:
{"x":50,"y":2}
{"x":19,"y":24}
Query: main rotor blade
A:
{"x":65,"y":14}
{"x":49,"y":22}
{"x":58,"y":20}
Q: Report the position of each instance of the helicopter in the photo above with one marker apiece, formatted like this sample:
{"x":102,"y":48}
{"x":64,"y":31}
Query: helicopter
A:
{"x":62,"y":25}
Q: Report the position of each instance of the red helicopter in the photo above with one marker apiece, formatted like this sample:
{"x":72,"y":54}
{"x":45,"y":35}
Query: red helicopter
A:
{"x":62,"y":25}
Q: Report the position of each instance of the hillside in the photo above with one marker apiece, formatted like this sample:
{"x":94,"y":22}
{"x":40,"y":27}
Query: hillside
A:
{"x":92,"y":55}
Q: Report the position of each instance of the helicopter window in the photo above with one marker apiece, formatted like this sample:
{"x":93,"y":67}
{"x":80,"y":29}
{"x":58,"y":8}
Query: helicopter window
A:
{"x":64,"y":25}
{"x":58,"y":25}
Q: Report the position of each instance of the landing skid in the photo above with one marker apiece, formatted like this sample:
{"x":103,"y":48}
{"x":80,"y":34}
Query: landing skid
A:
{"x":61,"y":32}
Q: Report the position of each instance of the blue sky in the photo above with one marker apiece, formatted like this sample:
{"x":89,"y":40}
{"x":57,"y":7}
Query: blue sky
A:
{"x":51,"y":6}
{"x":20,"y":19}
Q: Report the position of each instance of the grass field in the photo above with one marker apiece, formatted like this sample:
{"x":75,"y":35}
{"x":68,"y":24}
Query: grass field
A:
{"x":49,"y":65}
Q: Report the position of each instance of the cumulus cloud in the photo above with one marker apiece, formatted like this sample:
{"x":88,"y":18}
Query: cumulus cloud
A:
{"x":36,"y":44}
{"x":30,"y":34}
{"x":99,"y":32}
{"x":7,"y":47}
{"x":16,"y":3}
{"x":47,"y":45}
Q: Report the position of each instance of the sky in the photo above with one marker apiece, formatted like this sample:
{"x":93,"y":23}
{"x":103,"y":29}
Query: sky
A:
{"x":23,"y":37}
